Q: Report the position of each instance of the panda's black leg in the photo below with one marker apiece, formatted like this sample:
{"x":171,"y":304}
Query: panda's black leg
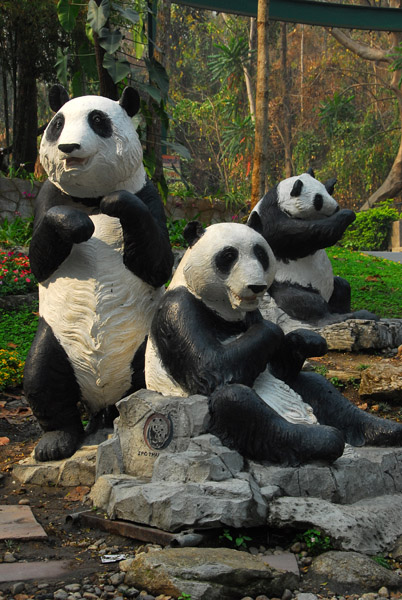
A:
{"x":299,"y":303}
{"x":339,"y":303}
{"x":242,"y":421}
{"x":52,"y":391}
{"x":341,"y":296}
{"x":332,"y":408}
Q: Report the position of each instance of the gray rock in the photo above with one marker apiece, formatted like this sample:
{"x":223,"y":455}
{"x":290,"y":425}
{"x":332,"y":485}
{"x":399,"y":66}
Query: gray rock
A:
{"x":360,"y":473}
{"x":382,"y":381}
{"x":151,"y":424}
{"x":212,"y":445}
{"x":190,"y":466}
{"x":351,"y":572}
{"x":206,"y":574}
{"x":17,"y":588}
{"x":397,"y":549}
{"x":174,"y":506}
{"x":109,"y":459}
{"x":370,"y":526}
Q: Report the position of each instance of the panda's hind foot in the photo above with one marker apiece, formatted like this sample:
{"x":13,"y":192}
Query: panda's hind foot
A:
{"x":56,"y":445}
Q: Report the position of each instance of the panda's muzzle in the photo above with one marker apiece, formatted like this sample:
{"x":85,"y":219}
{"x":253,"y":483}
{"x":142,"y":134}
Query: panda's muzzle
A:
{"x":72,"y":161}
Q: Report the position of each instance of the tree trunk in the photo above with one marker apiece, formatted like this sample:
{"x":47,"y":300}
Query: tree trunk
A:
{"x":247,"y":73}
{"x":107,"y":87}
{"x":392,"y":185}
{"x":287,"y":114}
{"x":260,"y":166}
{"x":154,"y":128}
{"x":25,"y":118}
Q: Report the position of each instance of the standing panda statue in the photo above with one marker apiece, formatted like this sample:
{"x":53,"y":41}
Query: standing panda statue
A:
{"x":208,"y":337}
{"x":300,"y":218}
{"x":101,"y":253}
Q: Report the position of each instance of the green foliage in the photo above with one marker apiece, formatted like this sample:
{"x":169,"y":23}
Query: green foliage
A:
{"x":335,"y":110}
{"x":321,"y":369}
{"x":382,"y":561}
{"x":371,"y":229}
{"x":315,"y":540}
{"x":19,"y":173}
{"x":16,"y":233}
{"x":376,"y":283}
{"x":17,"y":330}
{"x":237,"y":540}
{"x":336,"y":382}
{"x":175,"y":229}
{"x":184,"y":596}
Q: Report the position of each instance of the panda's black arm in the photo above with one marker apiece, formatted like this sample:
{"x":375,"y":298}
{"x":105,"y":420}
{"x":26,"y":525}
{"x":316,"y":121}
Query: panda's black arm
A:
{"x":295,"y":238}
{"x":56,"y":229}
{"x":189,"y":339}
{"x":147,"y":251}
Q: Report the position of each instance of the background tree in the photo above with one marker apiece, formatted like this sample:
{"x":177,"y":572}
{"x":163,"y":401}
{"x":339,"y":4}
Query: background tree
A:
{"x":28,"y":43}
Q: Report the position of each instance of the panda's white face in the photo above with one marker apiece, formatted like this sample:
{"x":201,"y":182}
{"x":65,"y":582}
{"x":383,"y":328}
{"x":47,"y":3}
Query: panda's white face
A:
{"x":91,"y":148}
{"x":312,"y":201}
{"x":229,"y":268}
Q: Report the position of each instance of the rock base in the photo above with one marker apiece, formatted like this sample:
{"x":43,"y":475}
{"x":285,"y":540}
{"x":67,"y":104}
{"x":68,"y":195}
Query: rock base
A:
{"x":348,"y":335}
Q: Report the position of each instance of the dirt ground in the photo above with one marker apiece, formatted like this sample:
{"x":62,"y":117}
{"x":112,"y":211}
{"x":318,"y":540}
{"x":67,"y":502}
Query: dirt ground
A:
{"x":52,"y":505}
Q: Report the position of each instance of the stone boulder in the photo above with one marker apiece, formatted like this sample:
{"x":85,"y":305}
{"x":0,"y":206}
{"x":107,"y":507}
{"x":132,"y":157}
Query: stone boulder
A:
{"x":349,"y":573}
{"x":382,"y":382}
{"x":369,"y":526}
{"x":206,"y":574}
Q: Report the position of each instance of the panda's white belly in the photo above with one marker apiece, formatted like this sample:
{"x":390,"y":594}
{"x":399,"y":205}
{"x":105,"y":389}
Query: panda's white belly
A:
{"x":99,"y":312}
{"x":314,"y":270}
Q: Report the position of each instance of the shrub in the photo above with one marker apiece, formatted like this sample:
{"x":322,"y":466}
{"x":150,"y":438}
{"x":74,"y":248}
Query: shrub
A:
{"x":11,"y":368}
{"x":15,"y":273}
{"x":16,"y":233}
{"x":371,"y":229}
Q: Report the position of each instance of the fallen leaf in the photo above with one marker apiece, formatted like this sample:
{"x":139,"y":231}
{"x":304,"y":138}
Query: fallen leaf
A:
{"x":11,"y":345}
{"x":78,"y":493}
{"x":373,"y":278}
{"x":4,"y":441}
{"x":363,"y":406}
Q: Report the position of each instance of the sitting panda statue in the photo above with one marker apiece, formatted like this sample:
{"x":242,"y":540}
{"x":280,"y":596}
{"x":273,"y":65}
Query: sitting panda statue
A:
{"x":300,"y":218}
{"x":101,"y":253}
{"x":208,"y":337}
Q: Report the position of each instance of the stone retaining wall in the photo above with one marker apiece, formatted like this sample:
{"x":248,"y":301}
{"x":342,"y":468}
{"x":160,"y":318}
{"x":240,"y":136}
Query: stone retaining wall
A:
{"x":17,"y":197}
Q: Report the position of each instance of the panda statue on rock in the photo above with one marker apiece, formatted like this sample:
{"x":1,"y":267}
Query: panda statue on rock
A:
{"x":300,"y":218}
{"x":101,"y":253}
{"x":208,"y":337}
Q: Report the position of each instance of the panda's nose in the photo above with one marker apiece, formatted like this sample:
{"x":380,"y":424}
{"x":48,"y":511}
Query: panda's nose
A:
{"x":68,"y":148}
{"x":257,"y":288}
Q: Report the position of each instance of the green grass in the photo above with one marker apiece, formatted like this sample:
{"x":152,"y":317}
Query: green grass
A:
{"x":17,"y":330}
{"x":376,"y":283}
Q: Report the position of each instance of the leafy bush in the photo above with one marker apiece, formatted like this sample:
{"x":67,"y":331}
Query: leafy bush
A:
{"x":316,"y":541}
{"x":16,"y":233}
{"x":371,"y":229}
{"x":15,"y":273}
{"x":175,"y":229}
{"x":11,"y":368}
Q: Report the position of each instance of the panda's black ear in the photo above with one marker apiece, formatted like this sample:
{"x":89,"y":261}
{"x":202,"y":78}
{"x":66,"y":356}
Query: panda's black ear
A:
{"x":254,"y":221}
{"x":297,"y":188}
{"x":192,"y":232}
{"x":310,"y":172}
{"x":58,"y":96}
{"x":130,"y":101}
{"x":330,"y":185}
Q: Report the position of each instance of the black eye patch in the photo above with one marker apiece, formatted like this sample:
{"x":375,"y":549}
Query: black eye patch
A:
{"x":318,"y":202}
{"x":226,"y":258}
{"x":55,"y":128}
{"x":261,"y":255}
{"x":100,"y":123}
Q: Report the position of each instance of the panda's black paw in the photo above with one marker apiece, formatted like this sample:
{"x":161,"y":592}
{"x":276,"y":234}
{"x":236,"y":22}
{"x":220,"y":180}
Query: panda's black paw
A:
{"x":365,"y":314}
{"x":122,"y":204}
{"x":73,"y":226}
{"x":56,"y":445}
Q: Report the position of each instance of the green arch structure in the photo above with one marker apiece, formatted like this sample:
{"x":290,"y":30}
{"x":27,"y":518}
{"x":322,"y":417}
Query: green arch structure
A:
{"x":326,"y":14}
